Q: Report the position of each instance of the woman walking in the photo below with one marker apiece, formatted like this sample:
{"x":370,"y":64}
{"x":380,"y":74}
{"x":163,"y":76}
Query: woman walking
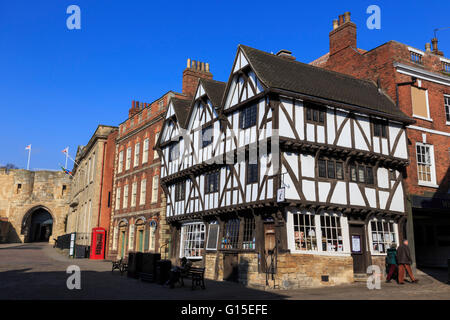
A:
{"x":391,"y":261}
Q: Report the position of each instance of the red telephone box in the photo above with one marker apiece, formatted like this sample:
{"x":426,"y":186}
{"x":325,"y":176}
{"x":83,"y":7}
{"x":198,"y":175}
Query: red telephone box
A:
{"x":98,"y":244}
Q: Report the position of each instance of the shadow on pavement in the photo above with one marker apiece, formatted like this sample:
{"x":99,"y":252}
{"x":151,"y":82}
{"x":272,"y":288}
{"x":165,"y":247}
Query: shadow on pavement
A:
{"x":439,"y":274}
{"x":22,"y":284}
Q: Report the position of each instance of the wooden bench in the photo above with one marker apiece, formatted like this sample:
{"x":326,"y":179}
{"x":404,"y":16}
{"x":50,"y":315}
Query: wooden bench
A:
{"x":121,"y":265}
{"x":197,"y":275}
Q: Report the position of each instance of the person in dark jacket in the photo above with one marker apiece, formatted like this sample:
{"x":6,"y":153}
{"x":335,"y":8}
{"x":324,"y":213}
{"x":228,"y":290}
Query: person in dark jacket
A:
{"x":391,"y":261}
{"x":404,"y":263}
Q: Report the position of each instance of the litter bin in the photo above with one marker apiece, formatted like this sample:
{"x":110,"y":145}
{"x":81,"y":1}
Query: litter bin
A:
{"x":163,"y":271}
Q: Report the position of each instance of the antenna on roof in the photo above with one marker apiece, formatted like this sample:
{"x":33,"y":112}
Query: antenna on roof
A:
{"x":439,"y":29}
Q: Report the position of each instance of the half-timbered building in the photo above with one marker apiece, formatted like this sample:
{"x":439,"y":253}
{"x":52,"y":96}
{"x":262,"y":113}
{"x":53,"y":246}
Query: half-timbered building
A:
{"x":278,"y":177}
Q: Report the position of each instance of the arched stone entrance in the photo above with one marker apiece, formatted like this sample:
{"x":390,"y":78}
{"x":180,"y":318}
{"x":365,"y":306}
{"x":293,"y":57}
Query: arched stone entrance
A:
{"x":37,"y":225}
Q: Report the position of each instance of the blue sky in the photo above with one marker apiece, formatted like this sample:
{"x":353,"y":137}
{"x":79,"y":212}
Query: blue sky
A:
{"x":57,"y":85}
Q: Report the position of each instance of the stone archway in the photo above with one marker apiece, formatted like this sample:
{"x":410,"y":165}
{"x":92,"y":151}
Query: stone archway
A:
{"x":37,"y":225}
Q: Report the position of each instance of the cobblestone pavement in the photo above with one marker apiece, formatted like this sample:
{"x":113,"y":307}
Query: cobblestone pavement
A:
{"x":37,"y":271}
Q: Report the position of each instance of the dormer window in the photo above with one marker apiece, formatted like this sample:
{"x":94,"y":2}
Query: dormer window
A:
{"x":247,"y":117}
{"x":415,"y":57}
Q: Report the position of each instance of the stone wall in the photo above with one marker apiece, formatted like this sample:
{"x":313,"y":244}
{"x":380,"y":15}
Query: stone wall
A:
{"x":293,"y":270}
{"x":23,"y":191}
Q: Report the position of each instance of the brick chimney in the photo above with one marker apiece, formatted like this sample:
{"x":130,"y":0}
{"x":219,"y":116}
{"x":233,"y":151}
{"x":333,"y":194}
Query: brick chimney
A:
{"x":136,"y":106}
{"x":343,"y":34}
{"x":194,"y":71}
{"x":434,"y":43}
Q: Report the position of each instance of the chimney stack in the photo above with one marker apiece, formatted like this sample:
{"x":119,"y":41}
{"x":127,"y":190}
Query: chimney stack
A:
{"x":427,"y":47}
{"x":194,"y":71}
{"x":343,"y":34}
{"x":136,"y":106}
{"x":434,"y":42}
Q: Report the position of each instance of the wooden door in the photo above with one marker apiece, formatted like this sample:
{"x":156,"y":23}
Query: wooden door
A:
{"x":358,"y":248}
{"x":269,"y":246}
{"x":122,"y":244}
{"x":230,"y":267}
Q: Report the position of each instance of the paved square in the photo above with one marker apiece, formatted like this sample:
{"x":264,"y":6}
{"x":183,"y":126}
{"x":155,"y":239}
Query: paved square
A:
{"x":37,"y":271}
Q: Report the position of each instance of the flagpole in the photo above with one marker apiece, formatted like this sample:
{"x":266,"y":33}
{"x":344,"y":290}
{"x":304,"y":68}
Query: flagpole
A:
{"x":67,"y":155}
{"x":29,"y":154}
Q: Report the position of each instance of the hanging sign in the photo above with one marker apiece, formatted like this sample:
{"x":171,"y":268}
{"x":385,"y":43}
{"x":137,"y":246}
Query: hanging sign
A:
{"x":281,"y":195}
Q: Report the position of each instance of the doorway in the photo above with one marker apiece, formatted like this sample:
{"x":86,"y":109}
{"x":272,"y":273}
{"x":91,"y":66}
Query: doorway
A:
{"x":37,"y":225}
{"x":358,"y":248}
{"x":230,"y":267}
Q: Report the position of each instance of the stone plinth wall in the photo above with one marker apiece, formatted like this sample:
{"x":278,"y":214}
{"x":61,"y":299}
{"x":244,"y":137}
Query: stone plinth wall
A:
{"x":293,"y":270}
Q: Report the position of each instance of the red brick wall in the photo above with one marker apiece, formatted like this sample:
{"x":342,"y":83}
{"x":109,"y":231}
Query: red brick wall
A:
{"x":378,"y":64}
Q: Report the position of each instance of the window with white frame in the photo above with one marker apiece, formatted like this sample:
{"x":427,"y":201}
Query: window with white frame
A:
{"x":128,"y":162}
{"x":120,"y":167}
{"x":332,"y":239}
{"x":447,"y":108}
{"x":125,"y":196}
{"x":192,"y":240}
{"x":425,"y":163}
{"x":133,"y":194}
{"x":213,"y":236}
{"x":305,"y":232}
{"x":145,"y":152}
{"x":155,"y":153}
{"x":383,"y":235}
{"x":326,"y":232}
{"x":143,"y":192}
{"x":118,"y":198}
{"x":155,"y":185}
{"x":137,"y":148}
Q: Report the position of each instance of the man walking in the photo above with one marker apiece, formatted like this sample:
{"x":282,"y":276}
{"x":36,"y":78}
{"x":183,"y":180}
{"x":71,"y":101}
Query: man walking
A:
{"x":404,"y":263}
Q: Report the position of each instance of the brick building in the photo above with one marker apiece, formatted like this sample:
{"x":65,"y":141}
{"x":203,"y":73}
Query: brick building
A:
{"x":138,"y":218}
{"x":419,"y":82}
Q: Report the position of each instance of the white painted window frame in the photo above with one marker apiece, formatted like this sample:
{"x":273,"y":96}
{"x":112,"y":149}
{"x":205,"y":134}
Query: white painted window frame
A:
{"x":143,"y":192}
{"x":128,"y":160}
{"x":125,"y":197}
{"x":446,"y":106}
{"x":291,"y":240}
{"x":432,"y":169}
{"x":369,"y":231}
{"x":133,"y":194}
{"x":137,"y":148}
{"x":120,"y":166}
{"x":182,"y":243}
{"x":117,"y":204}
{"x":145,"y":151}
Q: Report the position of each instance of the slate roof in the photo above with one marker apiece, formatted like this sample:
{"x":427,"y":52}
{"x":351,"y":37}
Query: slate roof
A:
{"x":290,"y":75}
{"x":214,"y":89}
{"x":181,"y":108}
